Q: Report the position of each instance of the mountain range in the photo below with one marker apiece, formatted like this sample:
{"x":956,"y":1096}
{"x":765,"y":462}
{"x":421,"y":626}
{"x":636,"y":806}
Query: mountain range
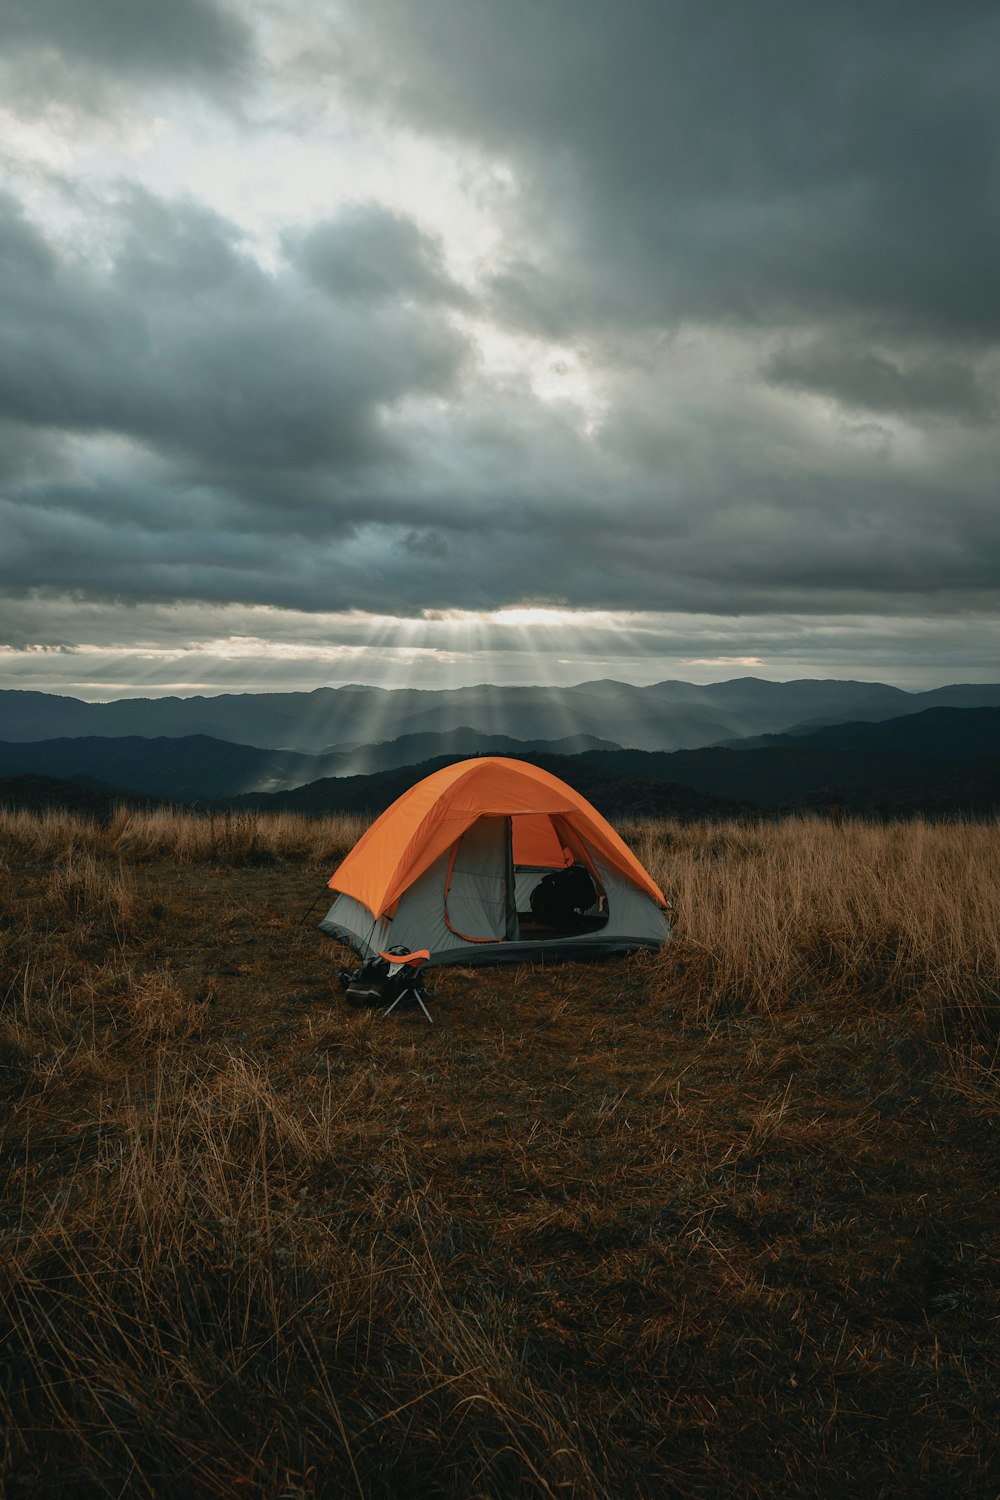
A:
{"x":664,"y":716}
{"x":940,"y":761}
{"x":200,"y":767}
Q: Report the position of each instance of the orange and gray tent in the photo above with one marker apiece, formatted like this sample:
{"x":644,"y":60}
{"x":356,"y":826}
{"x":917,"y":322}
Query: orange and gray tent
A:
{"x":451,"y":866}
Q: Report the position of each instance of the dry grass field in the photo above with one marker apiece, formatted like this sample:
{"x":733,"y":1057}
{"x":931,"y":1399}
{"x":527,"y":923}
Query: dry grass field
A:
{"x":719,"y":1221}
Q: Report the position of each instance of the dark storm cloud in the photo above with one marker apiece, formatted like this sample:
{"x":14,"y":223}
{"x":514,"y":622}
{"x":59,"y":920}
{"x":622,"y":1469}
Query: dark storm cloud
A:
{"x":769,"y":232}
{"x":764,"y":165}
{"x":370,"y":254}
{"x":228,"y":416}
{"x":71,"y":44}
{"x":187,"y":346}
{"x":919,"y":383}
{"x":250,"y":438}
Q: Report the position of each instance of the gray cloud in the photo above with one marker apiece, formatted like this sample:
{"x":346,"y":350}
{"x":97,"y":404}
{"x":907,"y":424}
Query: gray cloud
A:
{"x":180,"y":648}
{"x":370,"y":254}
{"x":189,"y":347}
{"x":768,"y":232}
{"x":766,"y":166}
{"x":753,"y":162}
{"x":916,"y":383}
{"x":70,"y":47}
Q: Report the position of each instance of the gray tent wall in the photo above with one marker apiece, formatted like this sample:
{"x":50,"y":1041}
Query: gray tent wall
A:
{"x":482,"y":918}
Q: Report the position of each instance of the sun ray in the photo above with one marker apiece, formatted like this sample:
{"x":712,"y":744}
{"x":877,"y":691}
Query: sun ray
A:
{"x":210,"y":649}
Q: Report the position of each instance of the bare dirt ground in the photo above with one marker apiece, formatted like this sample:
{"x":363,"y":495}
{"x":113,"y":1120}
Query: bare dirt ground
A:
{"x":717,"y":1221}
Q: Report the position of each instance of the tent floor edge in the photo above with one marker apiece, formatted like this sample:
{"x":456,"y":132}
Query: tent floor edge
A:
{"x":558,"y":950}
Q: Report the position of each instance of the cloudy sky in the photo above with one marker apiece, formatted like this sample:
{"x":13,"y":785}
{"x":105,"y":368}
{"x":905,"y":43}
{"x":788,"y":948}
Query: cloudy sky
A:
{"x":508,"y":340}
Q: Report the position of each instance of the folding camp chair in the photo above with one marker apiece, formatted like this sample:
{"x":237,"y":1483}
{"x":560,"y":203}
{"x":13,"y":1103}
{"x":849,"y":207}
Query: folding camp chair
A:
{"x":410,"y":986}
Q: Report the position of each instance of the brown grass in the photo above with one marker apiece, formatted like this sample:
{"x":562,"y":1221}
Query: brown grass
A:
{"x":717,"y":1221}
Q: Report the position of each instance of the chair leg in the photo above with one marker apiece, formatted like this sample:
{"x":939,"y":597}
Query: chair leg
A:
{"x":410,"y":993}
{"x":420,"y":1002}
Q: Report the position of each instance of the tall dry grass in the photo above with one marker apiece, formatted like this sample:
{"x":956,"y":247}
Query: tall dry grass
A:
{"x":713,"y":1221}
{"x":195,"y":1288}
{"x":776,"y":914}
{"x":765,"y":914}
{"x":185,"y":837}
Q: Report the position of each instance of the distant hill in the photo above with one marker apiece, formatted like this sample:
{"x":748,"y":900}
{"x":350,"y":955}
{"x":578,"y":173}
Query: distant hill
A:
{"x":950,"y":732}
{"x":199,"y":767}
{"x":961,"y":776}
{"x":939,"y":761}
{"x":615,"y":796}
{"x":664,"y":716}
{"x":942,"y":761}
{"x":785,"y":779}
{"x":183,"y":769}
{"x":611,"y":794}
{"x":410,"y":749}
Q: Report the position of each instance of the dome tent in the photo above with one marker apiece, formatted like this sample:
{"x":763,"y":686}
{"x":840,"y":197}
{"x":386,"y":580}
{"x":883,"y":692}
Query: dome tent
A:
{"x":454,"y":866}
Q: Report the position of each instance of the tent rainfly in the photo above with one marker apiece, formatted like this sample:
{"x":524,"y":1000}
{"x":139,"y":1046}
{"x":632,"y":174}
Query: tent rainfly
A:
{"x":474,"y":864}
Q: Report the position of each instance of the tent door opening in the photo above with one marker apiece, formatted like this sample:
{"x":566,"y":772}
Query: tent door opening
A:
{"x":558,"y":890}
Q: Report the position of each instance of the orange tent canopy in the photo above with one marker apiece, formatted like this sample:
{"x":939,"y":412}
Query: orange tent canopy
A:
{"x":425,"y":821}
